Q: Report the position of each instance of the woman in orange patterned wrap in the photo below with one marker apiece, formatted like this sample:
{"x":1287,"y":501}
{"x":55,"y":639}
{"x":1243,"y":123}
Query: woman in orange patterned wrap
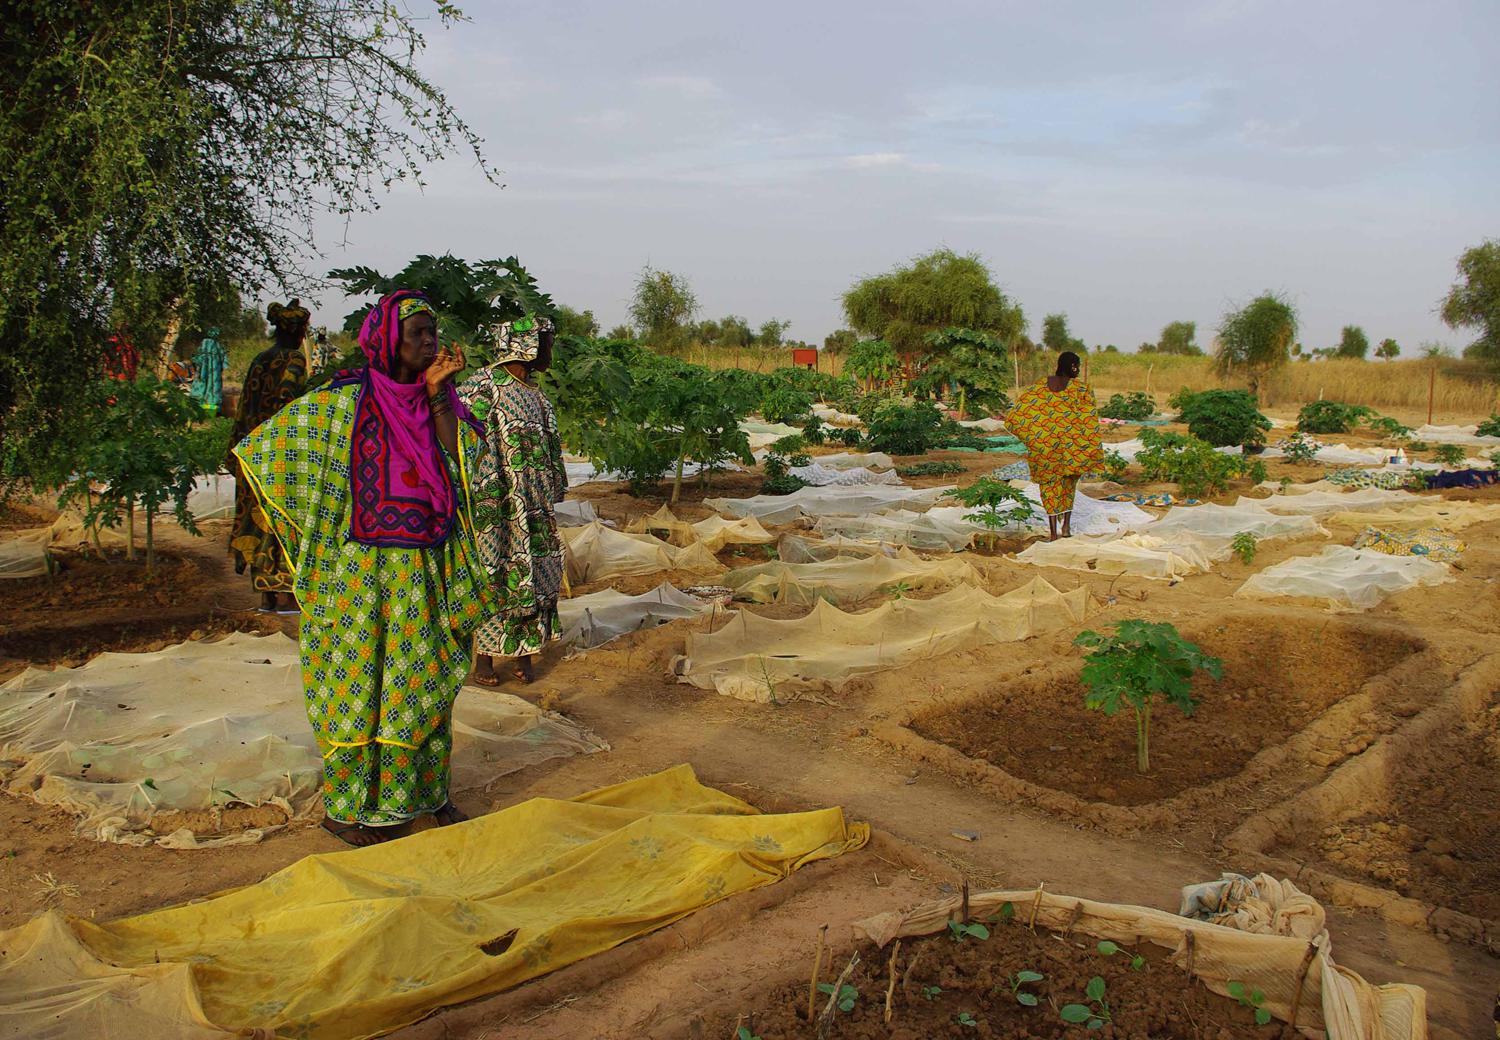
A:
{"x":1058,"y":421}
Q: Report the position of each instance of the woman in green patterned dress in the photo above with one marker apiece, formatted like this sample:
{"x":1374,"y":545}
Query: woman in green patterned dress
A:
{"x":276,"y":377}
{"x":366,"y":484}
{"x":516,"y":487}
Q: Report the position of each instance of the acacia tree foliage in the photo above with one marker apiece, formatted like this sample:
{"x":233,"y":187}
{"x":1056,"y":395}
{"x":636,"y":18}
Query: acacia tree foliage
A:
{"x":148,"y":150}
{"x":576,"y":323}
{"x":970,"y":362}
{"x":1177,"y":338}
{"x":1057,"y":338}
{"x":1474,"y":300}
{"x":662,"y":307}
{"x":1257,"y":338}
{"x":934,"y":292}
{"x":839,"y":341}
{"x":1353,"y":343}
{"x":1388,"y":350}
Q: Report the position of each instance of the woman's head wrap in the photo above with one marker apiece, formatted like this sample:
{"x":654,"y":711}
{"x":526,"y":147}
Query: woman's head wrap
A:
{"x":402,"y":495}
{"x":519,"y":340}
{"x":291,"y":318}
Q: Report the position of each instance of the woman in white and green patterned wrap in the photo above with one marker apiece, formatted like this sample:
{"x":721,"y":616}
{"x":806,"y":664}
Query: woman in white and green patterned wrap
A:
{"x":516,"y":486}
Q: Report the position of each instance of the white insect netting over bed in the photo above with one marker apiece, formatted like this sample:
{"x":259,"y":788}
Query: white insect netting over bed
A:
{"x":596,"y":552}
{"x":987,"y":424}
{"x":827,"y":501}
{"x":822,"y":476}
{"x":853,"y":460}
{"x":845,"y":579}
{"x":1446,"y":514}
{"x":1326,"y":503}
{"x":764,"y":434}
{"x":712,"y":532}
{"x":834,"y":417}
{"x":595,"y":619}
{"x":1250,"y":515}
{"x":23,"y":554}
{"x":582,"y":471}
{"x":1344,"y":577}
{"x":797,"y":549}
{"x":190,"y":729}
{"x":572,"y":512}
{"x":1455,"y":435}
{"x":759,"y":659}
{"x":1139,"y":555}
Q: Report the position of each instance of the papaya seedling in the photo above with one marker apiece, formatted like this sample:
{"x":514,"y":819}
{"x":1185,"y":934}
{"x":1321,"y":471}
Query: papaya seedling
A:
{"x":1251,"y":998}
{"x":848,"y":995}
{"x":1143,"y":660}
{"x":1023,"y":978}
{"x":1109,"y":949}
{"x":1093,"y":1014}
{"x":996,"y":505}
{"x":1243,"y":545}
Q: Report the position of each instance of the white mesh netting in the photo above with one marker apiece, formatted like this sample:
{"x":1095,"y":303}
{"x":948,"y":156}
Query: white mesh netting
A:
{"x":1224,"y":522}
{"x":571,"y":512}
{"x":762,"y":659}
{"x":595,"y":619}
{"x":23,"y":554}
{"x":196,"y":727}
{"x":797,"y":549}
{"x":822,"y":476}
{"x":712,"y":532}
{"x":1326,"y":503}
{"x":852,"y":460}
{"x":827,"y":501}
{"x":833,"y":417}
{"x":764,"y":434}
{"x":1139,"y":555}
{"x":596,"y":552}
{"x":1455,"y":435}
{"x":901,"y":527}
{"x":1344,"y":577}
{"x":845,"y":579}
{"x":987,"y":424}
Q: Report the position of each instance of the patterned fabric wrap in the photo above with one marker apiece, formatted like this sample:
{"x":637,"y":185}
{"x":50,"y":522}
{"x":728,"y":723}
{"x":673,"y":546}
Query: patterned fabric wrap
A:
{"x":519,"y":340}
{"x":516,"y":486}
{"x":276,"y":377}
{"x":402,"y":493}
{"x":385,"y":630}
{"x":1430,"y":542}
{"x":1390,"y":480}
{"x":1061,"y":432}
{"x":1013,"y":471}
{"x":208,"y":375}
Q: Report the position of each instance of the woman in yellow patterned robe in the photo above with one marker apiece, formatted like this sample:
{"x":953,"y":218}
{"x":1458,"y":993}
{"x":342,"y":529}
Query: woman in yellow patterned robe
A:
{"x":1058,"y":420}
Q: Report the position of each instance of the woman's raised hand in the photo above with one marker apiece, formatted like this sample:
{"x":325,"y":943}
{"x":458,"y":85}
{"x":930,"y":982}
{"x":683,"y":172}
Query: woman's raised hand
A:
{"x":444,"y":367}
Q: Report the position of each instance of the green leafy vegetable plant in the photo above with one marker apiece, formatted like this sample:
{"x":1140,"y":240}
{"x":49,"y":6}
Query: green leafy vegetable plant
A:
{"x":847,"y":998}
{"x":782,"y":403}
{"x":1136,"y":405}
{"x":1193,"y":465}
{"x":1256,"y":471}
{"x":966,"y":1019}
{"x":906,"y":429}
{"x":1115,"y":466}
{"x":1093,"y":1014}
{"x":743,"y":1033}
{"x":1331,"y":416}
{"x":1384,"y":424}
{"x":1490,"y":427}
{"x":778,"y":480}
{"x":789,"y":445}
{"x":1300,"y":449}
{"x":996,"y":505}
{"x":960,"y":931}
{"x":942,"y":468}
{"x":1450,"y":454}
{"x":1141,"y":661}
{"x":1021,"y":979}
{"x":813,"y":431}
{"x":1109,"y":949}
{"x":1251,"y":998}
{"x":931,"y":992}
{"x":1243,"y":545}
{"x":850,"y":436}
{"x":1225,"y":418}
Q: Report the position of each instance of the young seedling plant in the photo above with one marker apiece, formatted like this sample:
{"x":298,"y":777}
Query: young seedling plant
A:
{"x":1109,"y":949}
{"x":848,"y":995}
{"x":1251,"y":998}
{"x":1243,"y":545}
{"x":960,"y":931}
{"x":967,"y":1019}
{"x":996,"y":505}
{"x":1143,"y":660}
{"x":1020,"y":979}
{"x":1093,"y":1014}
{"x":931,"y":992}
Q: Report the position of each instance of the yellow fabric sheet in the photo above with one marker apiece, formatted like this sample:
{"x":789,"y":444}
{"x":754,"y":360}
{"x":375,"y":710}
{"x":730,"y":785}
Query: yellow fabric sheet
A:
{"x":354,"y":944}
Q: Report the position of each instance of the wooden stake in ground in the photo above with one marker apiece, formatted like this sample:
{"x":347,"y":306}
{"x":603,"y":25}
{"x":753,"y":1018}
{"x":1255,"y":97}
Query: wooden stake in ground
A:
{"x":812,"y":987}
{"x":1431,"y":390}
{"x":1036,"y":905}
{"x":890,"y":990}
{"x":825,"y":1018}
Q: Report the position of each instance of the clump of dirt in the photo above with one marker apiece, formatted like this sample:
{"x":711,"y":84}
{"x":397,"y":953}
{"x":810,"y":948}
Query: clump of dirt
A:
{"x":211,"y":822}
{"x":87,"y":581}
{"x":964,"y":989}
{"x":1278,"y":677}
{"x":1436,"y":836}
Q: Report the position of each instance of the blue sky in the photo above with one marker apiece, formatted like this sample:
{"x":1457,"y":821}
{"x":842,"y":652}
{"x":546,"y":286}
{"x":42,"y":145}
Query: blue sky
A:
{"x":1128,"y":164}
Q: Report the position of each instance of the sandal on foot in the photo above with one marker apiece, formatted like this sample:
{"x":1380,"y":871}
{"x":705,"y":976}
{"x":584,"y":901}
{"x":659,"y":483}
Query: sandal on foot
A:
{"x":488,"y":681}
{"x":341,"y":830}
{"x":448,"y":814}
{"x":522,"y":677}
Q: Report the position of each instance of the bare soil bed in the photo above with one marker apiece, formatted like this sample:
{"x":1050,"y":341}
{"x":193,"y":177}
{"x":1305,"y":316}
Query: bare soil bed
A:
{"x":940,"y":979}
{"x":1436,"y":835}
{"x":1278,"y":677}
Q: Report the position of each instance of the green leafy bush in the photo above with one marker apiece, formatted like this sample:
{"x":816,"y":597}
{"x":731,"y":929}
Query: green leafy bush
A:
{"x":1450,"y":454}
{"x":813,"y":431}
{"x":779,"y":481}
{"x":1256,"y":471}
{"x":1193,"y":465}
{"x":1225,"y":418}
{"x":930,"y":469}
{"x":1490,"y":427}
{"x":1244,"y":546}
{"x":1384,"y":424}
{"x":1141,"y":661}
{"x":1331,"y":416}
{"x":788,"y":445}
{"x":1136,"y":405}
{"x":851,"y":437}
{"x":1116,"y":467}
{"x":1180,"y":399}
{"x":996,"y":505}
{"x":784,"y":403}
{"x":1300,"y":450}
{"x":906,"y":429}
{"x":956,"y":436}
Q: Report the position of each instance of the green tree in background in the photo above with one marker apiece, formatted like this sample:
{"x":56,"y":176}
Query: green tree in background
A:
{"x":772,"y":333}
{"x":663,"y":307}
{"x":576,"y":323}
{"x":1353,"y":343}
{"x":148,"y":151}
{"x":839,"y":341}
{"x":934,"y":292}
{"x":1256,"y":338}
{"x":1474,"y":300}
{"x":1057,"y":338}
{"x":621,"y":333}
{"x":874,"y":361}
{"x":1388,"y":350}
{"x":1177,"y":338}
{"x":969,"y":362}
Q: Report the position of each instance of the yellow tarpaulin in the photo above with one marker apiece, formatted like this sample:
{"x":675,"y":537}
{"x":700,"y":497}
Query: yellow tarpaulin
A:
{"x":354,"y":944}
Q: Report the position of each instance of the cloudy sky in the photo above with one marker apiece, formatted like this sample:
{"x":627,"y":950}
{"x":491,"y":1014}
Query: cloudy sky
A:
{"x":1129,"y":164}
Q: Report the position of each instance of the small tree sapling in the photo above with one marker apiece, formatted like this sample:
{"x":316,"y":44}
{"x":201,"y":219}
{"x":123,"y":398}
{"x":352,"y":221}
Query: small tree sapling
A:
{"x":996,"y":505}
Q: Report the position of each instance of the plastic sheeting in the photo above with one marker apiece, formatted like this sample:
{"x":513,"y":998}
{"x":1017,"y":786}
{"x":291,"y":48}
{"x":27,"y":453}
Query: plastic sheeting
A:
{"x":833,"y":417}
{"x":829,"y":501}
{"x":595,"y":553}
{"x":988,"y":424}
{"x":595,"y":619}
{"x":822,"y":476}
{"x":852,"y":460}
{"x":1344,"y":577}
{"x":1139,"y":555}
{"x":572,"y":512}
{"x":1455,"y":435}
{"x":713,"y":532}
{"x":127,"y":737}
{"x":761,"y":659}
{"x":844,"y":580}
{"x":353,"y":944}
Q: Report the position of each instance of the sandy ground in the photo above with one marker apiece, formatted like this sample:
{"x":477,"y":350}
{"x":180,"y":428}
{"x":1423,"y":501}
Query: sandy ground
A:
{"x":853,"y":751}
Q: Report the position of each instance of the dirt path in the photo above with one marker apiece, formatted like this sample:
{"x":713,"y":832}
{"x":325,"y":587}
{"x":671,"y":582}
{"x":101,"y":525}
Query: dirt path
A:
{"x":798,"y":755}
